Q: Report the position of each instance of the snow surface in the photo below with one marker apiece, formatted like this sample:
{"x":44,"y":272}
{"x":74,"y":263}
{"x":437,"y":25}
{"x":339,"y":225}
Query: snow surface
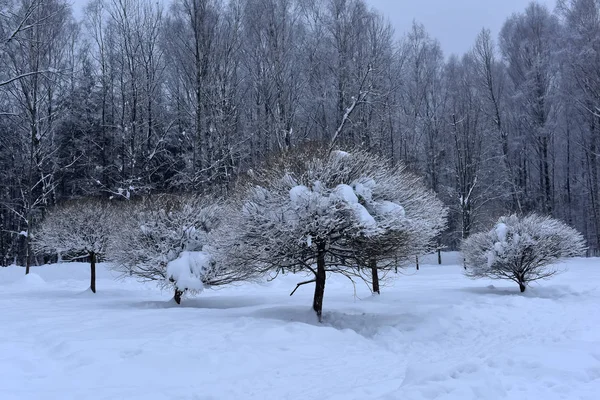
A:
{"x":432,"y":334}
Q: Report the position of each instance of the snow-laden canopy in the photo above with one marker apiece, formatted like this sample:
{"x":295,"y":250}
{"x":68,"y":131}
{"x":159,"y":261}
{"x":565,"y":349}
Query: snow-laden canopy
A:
{"x":345,"y":202}
{"x":521,"y":249}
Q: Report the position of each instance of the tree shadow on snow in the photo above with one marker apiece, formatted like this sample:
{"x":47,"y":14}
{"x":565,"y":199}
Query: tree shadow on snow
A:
{"x":553,"y":292}
{"x":216,"y":303}
{"x":364,"y":324}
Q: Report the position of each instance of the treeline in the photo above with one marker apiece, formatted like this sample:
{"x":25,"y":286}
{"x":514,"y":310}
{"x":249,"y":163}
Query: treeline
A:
{"x":137,"y":98}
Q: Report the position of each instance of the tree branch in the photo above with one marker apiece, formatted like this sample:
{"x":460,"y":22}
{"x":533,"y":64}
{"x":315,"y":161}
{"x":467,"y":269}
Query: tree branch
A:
{"x":302,"y":283}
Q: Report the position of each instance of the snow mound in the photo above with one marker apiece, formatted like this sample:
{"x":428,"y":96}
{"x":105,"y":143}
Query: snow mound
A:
{"x":339,"y":154}
{"x":365,"y":189}
{"x":188,"y":270}
{"x":501,"y":231}
{"x":346,"y":193}
{"x":30,"y":280}
{"x":299,"y":193}
{"x":387,"y":208}
{"x":365,"y":219}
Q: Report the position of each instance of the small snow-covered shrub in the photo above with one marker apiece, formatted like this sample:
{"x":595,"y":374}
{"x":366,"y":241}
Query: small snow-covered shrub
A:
{"x":156,"y":230}
{"x":167,"y":239}
{"x":76,"y":230}
{"x":521,"y":249}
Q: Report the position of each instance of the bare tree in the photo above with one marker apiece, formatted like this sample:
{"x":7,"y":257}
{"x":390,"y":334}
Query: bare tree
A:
{"x":580,"y":90}
{"x":192,"y":44}
{"x":471,"y":154}
{"x":527,"y":43}
{"x":35,"y":53}
{"x":489,"y":77}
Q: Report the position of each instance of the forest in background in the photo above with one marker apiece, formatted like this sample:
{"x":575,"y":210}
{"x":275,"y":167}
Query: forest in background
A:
{"x":139,"y":98}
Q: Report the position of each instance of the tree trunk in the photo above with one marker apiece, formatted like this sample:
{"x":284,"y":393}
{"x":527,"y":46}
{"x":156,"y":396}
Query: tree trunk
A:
{"x":319,"y":282}
{"x":522,"y":286}
{"x":439,"y":251}
{"x":28,"y":254}
{"x":417,"y":262}
{"x":177,"y":296}
{"x":93,"y":271}
{"x":375,"y":276}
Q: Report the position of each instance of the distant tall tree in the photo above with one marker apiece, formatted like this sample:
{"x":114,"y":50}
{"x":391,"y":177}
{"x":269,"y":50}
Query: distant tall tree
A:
{"x":36,"y":53}
{"x":192,"y":29}
{"x":467,"y":129}
{"x":421,"y":104}
{"x":490,"y":79}
{"x":135,"y":28}
{"x":270,"y":64}
{"x":580,"y":85}
{"x":527,"y":44}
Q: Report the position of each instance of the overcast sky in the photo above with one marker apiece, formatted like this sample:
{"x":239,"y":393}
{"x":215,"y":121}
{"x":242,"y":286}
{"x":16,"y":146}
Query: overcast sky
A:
{"x":455,"y":23}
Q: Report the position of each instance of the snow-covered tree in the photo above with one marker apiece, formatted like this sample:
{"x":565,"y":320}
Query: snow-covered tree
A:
{"x":408,"y":215}
{"x":166,"y":238}
{"x":521,"y":249}
{"x":76,"y":230}
{"x":323,"y":212}
{"x":156,"y":230}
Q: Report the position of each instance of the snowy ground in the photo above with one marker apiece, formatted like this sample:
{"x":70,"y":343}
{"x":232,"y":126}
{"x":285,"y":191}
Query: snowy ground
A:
{"x":432,"y":334}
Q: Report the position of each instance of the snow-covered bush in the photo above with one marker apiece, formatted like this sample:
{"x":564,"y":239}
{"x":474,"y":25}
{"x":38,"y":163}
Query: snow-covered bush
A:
{"x":156,"y":229}
{"x":521,"y":249}
{"x":319,"y":212}
{"x":75,"y":230}
{"x":166,"y":238}
{"x":408,"y":216}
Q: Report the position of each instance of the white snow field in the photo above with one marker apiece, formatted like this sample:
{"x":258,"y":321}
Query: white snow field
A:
{"x":432,"y":334}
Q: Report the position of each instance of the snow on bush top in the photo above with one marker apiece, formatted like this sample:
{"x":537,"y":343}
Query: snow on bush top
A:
{"x":319,"y":201}
{"x":501,"y":230}
{"x":188,"y":270}
{"x":512,"y":237}
{"x":75,"y":229}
